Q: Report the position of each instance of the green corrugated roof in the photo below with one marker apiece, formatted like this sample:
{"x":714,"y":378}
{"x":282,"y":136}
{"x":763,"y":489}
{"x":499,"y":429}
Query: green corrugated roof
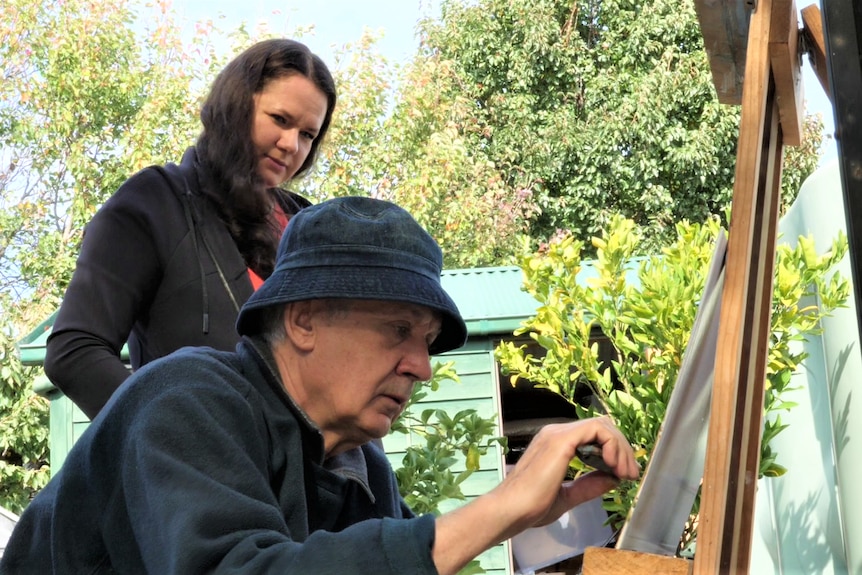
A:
{"x":32,"y":347}
{"x":490,"y":299}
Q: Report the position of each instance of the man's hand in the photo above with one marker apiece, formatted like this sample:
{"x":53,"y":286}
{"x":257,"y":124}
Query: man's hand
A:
{"x":533,"y":493}
{"x":535,"y":486}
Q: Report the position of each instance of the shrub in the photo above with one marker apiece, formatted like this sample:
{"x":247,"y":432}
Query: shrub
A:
{"x":648,"y":324}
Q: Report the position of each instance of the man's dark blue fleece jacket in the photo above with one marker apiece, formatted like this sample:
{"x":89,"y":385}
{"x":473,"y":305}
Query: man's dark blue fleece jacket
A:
{"x":201,"y":463}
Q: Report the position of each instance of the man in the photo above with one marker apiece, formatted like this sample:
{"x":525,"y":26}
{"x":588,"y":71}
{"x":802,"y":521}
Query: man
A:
{"x":264,"y":460}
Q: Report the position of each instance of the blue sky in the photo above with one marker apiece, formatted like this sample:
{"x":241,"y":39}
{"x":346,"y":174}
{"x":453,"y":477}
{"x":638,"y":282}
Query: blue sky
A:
{"x":338,"y":22}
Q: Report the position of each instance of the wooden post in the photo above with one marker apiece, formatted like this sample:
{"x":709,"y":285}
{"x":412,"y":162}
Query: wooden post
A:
{"x":771,"y":116}
{"x":785,"y":59}
{"x":812,"y":29}
{"x":603,"y":561}
{"x":733,"y":448}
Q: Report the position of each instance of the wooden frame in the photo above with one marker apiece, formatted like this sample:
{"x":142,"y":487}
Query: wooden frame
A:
{"x":771,"y":117}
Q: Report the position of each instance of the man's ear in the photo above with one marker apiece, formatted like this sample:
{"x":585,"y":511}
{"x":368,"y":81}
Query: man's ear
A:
{"x":300,"y":325}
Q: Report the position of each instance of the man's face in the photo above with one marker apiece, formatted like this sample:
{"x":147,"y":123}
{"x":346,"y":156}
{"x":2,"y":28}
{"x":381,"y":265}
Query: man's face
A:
{"x":360,"y":368}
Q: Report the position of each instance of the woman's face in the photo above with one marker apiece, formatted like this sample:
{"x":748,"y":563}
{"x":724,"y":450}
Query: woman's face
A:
{"x":288,"y":114}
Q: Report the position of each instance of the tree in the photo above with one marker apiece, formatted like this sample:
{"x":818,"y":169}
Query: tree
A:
{"x":82,"y":106}
{"x":598,"y":108}
{"x":524,"y":118}
{"x":408,"y":145}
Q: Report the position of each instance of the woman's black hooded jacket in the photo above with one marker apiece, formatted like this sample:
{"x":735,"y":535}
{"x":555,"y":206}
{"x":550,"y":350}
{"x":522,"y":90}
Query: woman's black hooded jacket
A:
{"x":157,"y":268}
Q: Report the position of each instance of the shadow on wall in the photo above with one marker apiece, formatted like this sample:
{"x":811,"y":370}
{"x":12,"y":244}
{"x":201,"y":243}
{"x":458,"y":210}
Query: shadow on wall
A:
{"x":841,"y":420}
{"x":811,"y":548}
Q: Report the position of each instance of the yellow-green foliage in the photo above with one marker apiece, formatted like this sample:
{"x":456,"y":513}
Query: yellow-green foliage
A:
{"x":648,"y":323}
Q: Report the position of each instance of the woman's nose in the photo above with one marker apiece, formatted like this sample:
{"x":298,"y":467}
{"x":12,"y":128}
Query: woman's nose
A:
{"x":289,"y":140}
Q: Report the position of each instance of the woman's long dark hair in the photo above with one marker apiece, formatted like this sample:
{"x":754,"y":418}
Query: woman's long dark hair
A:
{"x":226,"y":151}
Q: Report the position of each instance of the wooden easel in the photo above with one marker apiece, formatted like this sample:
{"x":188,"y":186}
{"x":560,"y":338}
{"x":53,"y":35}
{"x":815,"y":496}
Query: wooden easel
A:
{"x":771,"y":118}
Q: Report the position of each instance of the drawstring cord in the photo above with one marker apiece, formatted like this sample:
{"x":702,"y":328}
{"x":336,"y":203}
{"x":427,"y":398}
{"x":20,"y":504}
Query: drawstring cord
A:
{"x":204,"y":294}
{"x":189,"y":217}
{"x":186,"y":201}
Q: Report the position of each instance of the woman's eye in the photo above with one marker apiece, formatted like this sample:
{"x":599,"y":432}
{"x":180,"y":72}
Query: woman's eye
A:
{"x":278,"y":119}
{"x":308,"y":136}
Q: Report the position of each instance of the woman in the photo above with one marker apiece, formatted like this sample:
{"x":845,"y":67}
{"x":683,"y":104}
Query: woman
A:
{"x":173,"y":254}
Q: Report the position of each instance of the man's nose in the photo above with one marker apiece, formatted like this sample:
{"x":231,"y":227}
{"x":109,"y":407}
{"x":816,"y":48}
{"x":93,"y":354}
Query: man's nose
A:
{"x":416,"y":363}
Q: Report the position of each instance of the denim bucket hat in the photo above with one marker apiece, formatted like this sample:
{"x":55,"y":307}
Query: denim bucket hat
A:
{"x":357,"y":248}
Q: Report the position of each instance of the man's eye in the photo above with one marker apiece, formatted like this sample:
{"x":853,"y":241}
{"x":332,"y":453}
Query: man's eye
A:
{"x":403,"y":331}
